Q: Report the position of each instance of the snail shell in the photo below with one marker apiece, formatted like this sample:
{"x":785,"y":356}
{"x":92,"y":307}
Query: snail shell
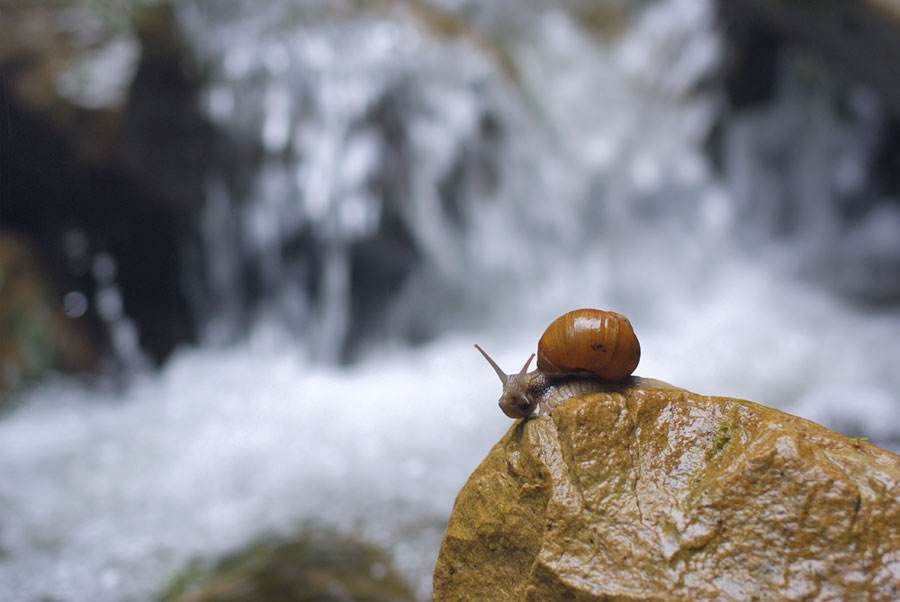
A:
{"x":589,"y":342}
{"x":580,"y":352}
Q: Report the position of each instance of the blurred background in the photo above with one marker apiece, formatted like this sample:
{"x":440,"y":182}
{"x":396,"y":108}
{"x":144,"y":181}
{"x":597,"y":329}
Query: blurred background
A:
{"x":246,"y":248}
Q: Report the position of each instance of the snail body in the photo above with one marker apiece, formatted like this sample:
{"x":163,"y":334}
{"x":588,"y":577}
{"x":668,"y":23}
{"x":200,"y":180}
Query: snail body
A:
{"x":580,"y":352}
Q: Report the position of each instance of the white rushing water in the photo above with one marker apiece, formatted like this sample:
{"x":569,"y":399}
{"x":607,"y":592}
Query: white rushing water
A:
{"x":596,"y":193}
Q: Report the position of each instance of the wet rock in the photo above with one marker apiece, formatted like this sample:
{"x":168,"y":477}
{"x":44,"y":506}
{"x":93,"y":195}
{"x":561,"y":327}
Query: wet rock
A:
{"x":318,"y":567}
{"x":652,"y":492}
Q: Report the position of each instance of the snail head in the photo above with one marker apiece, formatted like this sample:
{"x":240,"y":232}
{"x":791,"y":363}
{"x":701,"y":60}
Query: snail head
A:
{"x":515,"y":401}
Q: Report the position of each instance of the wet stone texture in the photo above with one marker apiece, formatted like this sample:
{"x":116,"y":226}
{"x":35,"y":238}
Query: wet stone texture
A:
{"x":650,"y":492}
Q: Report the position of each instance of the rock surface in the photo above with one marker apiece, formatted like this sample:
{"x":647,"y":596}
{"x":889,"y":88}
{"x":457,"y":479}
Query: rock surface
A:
{"x":649,"y":492}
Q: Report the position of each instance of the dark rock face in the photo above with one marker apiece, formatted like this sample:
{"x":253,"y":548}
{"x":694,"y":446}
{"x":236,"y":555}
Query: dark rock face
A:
{"x":811,"y":133}
{"x":860,"y":37}
{"x":70,"y":182}
{"x":655,"y":493}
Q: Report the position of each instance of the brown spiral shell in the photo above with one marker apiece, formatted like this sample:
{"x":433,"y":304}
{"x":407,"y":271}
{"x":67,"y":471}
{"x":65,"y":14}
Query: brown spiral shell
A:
{"x":589,"y":342}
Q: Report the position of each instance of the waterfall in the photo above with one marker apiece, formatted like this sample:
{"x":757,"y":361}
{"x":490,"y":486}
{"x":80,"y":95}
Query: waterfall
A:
{"x":395,"y":183}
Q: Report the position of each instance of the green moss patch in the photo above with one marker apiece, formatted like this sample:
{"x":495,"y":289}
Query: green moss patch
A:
{"x":320,"y":567}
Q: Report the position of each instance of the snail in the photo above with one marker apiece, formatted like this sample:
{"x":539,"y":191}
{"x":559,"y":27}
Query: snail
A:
{"x":580,"y":352}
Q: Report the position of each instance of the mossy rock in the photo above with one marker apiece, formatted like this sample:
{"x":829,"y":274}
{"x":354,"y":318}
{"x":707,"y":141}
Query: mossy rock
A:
{"x":35,"y":335}
{"x":314,"y":567}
